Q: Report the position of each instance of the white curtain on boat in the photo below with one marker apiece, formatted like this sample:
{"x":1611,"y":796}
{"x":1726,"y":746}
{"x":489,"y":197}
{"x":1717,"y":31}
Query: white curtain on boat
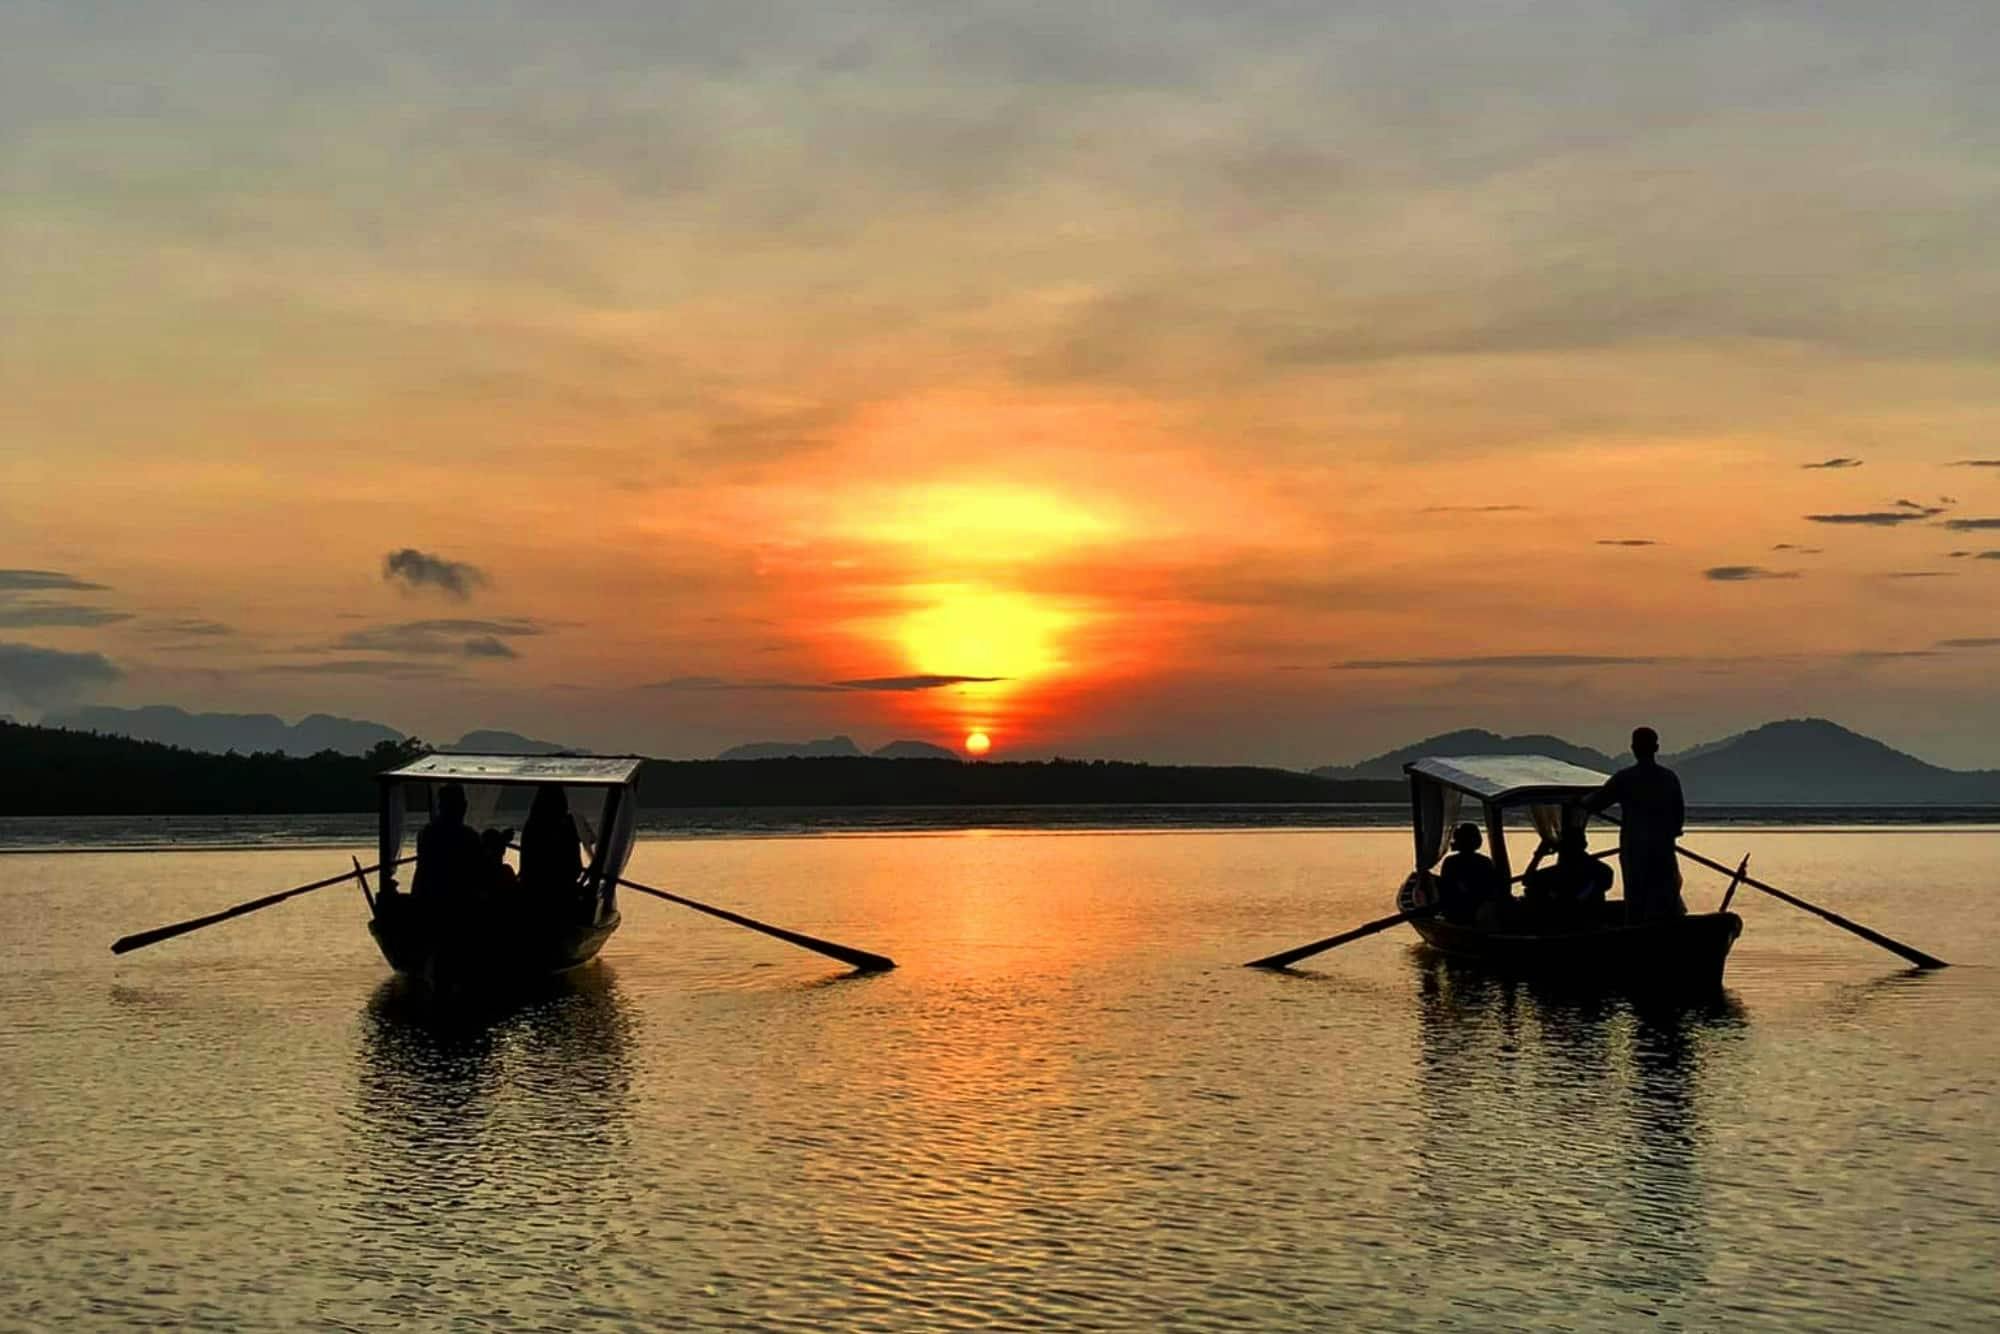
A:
{"x":391,"y":845}
{"x":1551,"y":818}
{"x":1437,"y":812}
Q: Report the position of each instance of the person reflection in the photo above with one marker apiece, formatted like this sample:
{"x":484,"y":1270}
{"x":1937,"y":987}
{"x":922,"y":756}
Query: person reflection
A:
{"x":484,"y":1110}
{"x":1570,"y":1123}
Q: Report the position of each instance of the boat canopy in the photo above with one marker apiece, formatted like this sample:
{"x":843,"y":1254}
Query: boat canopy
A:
{"x":569,"y":770}
{"x":1508,"y":780}
{"x":1550,"y":789}
{"x":600,"y":791}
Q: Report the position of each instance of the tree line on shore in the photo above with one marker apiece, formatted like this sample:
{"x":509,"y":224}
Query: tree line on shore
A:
{"x":50,"y":771}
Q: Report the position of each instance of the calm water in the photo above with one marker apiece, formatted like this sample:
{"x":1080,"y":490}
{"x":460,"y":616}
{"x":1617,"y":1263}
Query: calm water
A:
{"x":1068,"y":1106}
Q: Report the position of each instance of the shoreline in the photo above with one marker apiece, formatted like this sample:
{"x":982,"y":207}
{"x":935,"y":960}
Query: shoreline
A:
{"x":49,"y":834}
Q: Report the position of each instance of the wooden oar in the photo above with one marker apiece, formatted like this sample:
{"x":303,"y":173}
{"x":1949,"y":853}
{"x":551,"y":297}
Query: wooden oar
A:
{"x":141,"y":939}
{"x":861,"y":960}
{"x":1742,"y":869}
{"x":1290,"y":957}
{"x":1914,"y":955}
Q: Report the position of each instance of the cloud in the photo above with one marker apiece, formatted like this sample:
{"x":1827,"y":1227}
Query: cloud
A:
{"x":1803,"y":551}
{"x":414,"y":570}
{"x":1972,"y":525}
{"x":36,"y":581}
{"x":1975,"y":463}
{"x":1475,"y":509}
{"x":1890,"y":654}
{"x":1500,"y":661}
{"x":1736,"y":574}
{"x":16,"y":613}
{"x":23,"y":614}
{"x":864,"y":684}
{"x":1980,"y":641}
{"x":398,"y":667}
{"x":914,"y":682}
{"x":1626,"y":542}
{"x":442,"y":636}
{"x":1840,"y":462}
{"x":193,"y":627}
{"x":1920,"y":574}
{"x":1876,"y":518}
{"x":35,"y":675}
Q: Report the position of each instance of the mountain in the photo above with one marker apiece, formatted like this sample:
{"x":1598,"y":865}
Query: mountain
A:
{"x":1470,"y":741}
{"x":244,"y":733}
{"x":1797,"y":762}
{"x":912,"y":750}
{"x":1816,"y":762}
{"x":489,"y":742}
{"x":833,"y":746}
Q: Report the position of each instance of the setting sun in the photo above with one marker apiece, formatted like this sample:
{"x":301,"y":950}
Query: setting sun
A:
{"x":978,"y":743}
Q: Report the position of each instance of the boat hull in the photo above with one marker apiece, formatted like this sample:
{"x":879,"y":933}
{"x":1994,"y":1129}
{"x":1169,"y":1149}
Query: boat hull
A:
{"x":447,"y":953}
{"x":1679,"y":955}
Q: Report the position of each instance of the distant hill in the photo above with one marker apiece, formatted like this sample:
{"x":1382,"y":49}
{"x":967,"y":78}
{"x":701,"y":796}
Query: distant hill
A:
{"x":912,"y":750}
{"x":1798,"y":762}
{"x":489,"y":742}
{"x":833,"y":746}
{"x":217,"y":733}
{"x":1470,"y":741}
{"x":1811,"y":760}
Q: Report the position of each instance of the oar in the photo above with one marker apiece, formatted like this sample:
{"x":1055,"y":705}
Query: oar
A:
{"x":1740,"y":876}
{"x":1742,"y":869}
{"x":858,"y":959}
{"x":1290,"y":957}
{"x":141,"y":939}
{"x":1915,"y":956}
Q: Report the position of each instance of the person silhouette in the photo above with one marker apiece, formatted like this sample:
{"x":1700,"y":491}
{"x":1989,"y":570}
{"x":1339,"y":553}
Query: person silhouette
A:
{"x":1470,"y":889}
{"x":1577,"y":882}
{"x":551,"y":860}
{"x":1648,"y":794}
{"x":449,"y":857}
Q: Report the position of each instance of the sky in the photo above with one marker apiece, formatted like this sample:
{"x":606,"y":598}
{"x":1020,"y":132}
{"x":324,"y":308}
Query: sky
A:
{"x":1267,"y":383}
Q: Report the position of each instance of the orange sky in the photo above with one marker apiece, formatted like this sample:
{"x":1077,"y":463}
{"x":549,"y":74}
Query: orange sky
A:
{"x":1242,"y":391}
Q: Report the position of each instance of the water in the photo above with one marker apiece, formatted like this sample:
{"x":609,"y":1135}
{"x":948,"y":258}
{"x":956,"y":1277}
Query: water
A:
{"x":1068,"y":1107}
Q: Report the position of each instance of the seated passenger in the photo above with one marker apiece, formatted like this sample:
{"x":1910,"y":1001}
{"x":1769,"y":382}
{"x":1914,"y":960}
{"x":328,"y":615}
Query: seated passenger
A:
{"x":449,"y":858}
{"x":1576,"y":883}
{"x":551,"y":860}
{"x":1470,"y":889}
{"x":500,"y":877}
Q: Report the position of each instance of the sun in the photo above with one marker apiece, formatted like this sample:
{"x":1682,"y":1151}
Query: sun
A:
{"x":978,"y":743}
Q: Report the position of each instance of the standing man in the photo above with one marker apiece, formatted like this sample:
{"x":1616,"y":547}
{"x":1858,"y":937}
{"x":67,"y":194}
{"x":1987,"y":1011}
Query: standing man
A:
{"x":1649,"y":797}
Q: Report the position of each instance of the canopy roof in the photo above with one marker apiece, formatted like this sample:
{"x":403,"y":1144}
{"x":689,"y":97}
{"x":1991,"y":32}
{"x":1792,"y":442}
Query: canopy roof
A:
{"x":1508,"y":779}
{"x":579,"y":770}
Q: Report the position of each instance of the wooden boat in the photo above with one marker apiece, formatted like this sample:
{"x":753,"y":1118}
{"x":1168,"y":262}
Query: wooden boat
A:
{"x":489,"y":940}
{"x":1594,"y":947}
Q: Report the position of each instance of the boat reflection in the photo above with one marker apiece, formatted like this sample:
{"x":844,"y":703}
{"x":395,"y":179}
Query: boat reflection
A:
{"x":1565,"y":1134}
{"x":466,"y":1113}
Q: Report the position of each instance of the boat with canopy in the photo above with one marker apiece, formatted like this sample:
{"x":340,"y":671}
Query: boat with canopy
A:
{"x":469,"y":919}
{"x":1593,"y":942}
{"x":1583,"y":938}
{"x":502,"y":927}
